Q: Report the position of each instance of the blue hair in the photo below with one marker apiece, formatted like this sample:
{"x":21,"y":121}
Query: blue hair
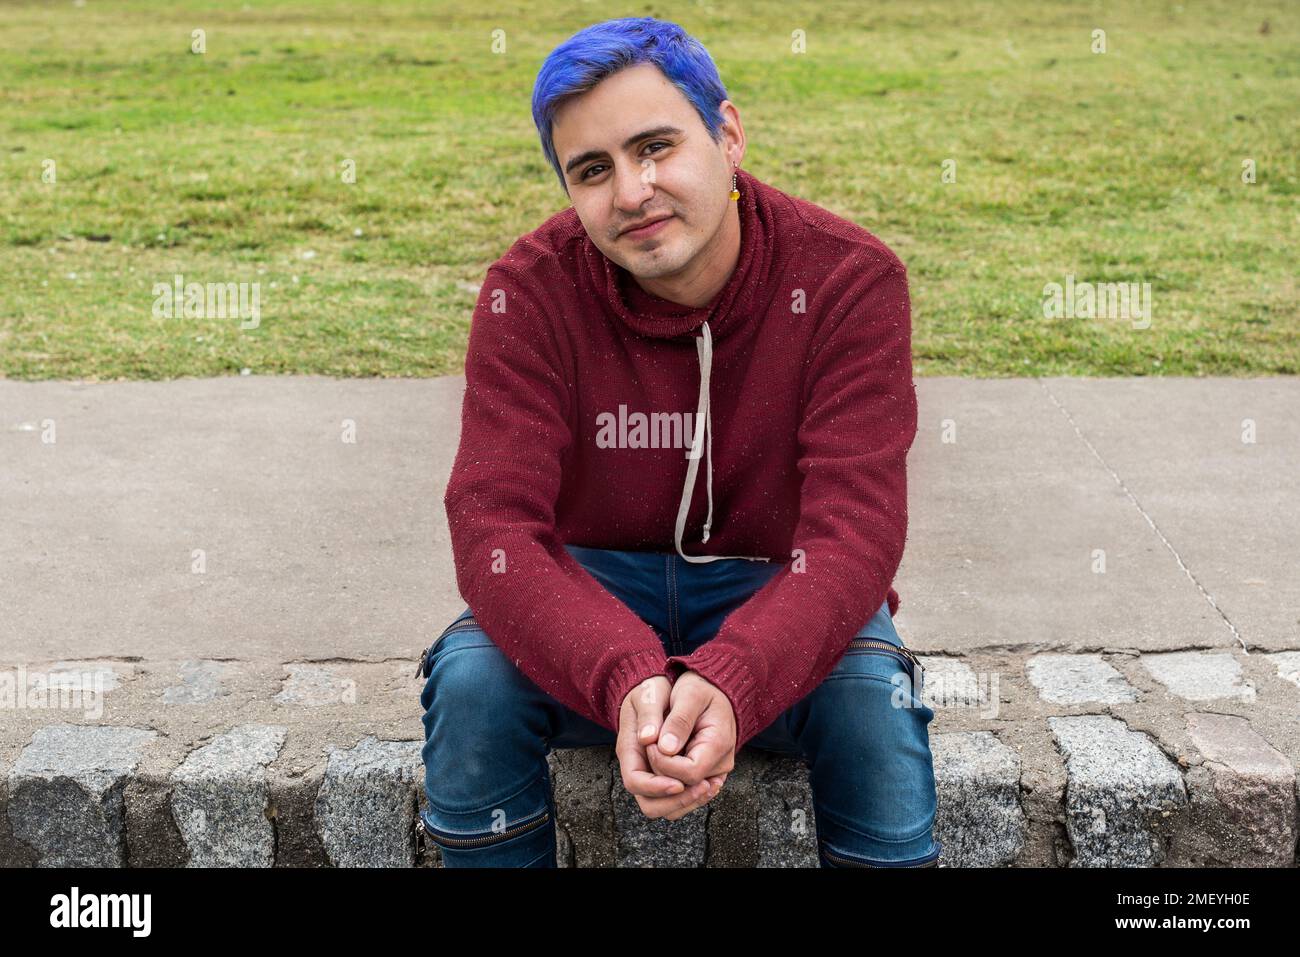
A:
{"x":590,"y":55}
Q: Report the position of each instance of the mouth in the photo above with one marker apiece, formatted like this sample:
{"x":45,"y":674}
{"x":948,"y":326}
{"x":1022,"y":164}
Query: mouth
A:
{"x":646,"y":229}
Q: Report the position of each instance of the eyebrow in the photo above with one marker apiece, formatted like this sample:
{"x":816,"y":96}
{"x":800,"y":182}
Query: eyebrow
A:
{"x":627,"y":143}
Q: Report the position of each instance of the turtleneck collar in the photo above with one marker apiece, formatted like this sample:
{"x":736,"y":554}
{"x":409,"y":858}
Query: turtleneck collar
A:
{"x":650,"y":315}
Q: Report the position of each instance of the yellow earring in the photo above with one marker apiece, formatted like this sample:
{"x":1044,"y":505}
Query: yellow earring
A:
{"x":735,"y":193}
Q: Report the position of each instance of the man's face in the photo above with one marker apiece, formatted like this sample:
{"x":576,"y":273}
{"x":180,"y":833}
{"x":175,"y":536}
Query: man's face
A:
{"x":618,"y":176}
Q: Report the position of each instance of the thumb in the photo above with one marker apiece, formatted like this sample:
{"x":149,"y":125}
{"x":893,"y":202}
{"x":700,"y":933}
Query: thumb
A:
{"x":688,"y":702}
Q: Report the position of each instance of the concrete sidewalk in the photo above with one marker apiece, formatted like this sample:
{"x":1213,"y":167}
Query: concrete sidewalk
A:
{"x":1101,"y":577}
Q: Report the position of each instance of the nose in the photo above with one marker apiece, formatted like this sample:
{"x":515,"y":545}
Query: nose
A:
{"x":633,"y":185}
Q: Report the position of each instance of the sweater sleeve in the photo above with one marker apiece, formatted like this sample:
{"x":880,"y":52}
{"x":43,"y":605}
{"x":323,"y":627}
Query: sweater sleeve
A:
{"x":572,"y":637}
{"x":857,"y":426}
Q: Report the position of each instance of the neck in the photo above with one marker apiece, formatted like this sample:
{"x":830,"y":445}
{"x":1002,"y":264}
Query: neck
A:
{"x":697,"y":283}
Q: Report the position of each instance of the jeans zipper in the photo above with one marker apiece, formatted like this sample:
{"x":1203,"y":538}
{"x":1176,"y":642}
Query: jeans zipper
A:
{"x":850,"y":863}
{"x":444,"y":839}
{"x":896,"y":650}
{"x":422,"y":670}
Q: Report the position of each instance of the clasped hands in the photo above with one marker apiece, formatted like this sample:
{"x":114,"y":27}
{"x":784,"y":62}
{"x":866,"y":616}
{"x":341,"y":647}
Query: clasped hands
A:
{"x":667,"y":783}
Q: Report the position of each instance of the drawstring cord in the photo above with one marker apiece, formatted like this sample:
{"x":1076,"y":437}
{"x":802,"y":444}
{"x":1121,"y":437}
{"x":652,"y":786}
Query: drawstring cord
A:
{"x":702,"y":440}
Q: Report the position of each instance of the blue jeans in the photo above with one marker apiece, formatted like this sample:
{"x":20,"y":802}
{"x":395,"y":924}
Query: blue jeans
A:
{"x":488,"y":727}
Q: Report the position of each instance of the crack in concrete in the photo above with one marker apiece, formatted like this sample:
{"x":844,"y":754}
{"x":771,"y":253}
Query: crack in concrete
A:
{"x":615,"y":769}
{"x":350,"y":661}
{"x":708,"y":816}
{"x":1143,"y":512}
{"x":1024,"y":649}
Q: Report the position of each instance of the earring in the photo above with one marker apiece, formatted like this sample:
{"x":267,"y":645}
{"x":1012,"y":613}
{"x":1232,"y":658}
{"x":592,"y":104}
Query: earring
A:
{"x":735,"y":193}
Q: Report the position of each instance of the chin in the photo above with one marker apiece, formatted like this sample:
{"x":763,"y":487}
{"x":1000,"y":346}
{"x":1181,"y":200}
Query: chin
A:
{"x":661,"y":261}
{"x":651,"y":269}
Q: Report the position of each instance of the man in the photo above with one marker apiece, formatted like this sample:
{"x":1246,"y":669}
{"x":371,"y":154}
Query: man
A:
{"x":682,"y":317}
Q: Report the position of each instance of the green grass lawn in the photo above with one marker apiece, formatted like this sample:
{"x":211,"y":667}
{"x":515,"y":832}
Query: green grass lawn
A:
{"x":226,"y":167}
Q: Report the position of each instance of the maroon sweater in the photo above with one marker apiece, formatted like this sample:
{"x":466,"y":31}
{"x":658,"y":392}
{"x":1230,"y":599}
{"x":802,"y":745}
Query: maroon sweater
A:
{"x":791,"y":392}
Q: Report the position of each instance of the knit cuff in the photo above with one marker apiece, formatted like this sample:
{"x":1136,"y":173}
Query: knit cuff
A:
{"x":629,"y":672}
{"x":722,"y":669}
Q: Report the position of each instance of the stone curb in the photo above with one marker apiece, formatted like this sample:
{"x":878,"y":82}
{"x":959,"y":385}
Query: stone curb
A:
{"x":1106,"y":759}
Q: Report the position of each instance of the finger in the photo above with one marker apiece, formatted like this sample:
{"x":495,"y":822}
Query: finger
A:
{"x":687,"y":706}
{"x":696,"y":796}
{"x":679,"y":806}
{"x":715,"y":788}
{"x":649,"y":703}
{"x":652,"y":785}
{"x":715,"y":783}
{"x":706,"y":754}
{"x":638,"y":778}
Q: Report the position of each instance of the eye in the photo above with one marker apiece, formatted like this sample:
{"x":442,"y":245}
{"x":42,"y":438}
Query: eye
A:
{"x":588,"y":170}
